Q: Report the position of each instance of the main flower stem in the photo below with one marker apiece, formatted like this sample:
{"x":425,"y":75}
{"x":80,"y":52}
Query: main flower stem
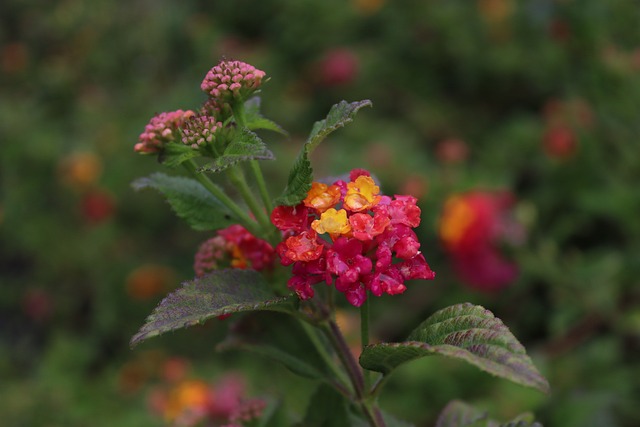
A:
{"x":367,"y":405}
{"x":240,"y":214}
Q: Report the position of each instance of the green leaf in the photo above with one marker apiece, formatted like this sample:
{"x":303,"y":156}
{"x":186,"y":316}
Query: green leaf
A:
{"x":301,"y":174}
{"x":244,"y":146}
{"x":175,"y":154}
{"x":284,"y":339}
{"x":255,"y":121}
{"x":467,"y":332}
{"x":221,"y":292}
{"x":461,"y":414}
{"x":190,"y":201}
{"x":327,"y":408}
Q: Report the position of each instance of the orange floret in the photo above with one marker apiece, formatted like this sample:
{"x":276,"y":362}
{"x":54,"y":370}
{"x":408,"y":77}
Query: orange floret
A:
{"x":322,"y":196}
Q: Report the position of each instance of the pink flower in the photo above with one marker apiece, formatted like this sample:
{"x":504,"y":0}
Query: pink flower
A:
{"x":366,"y":238}
{"x":161,"y":129}
{"x":232,"y":80}
{"x":339,"y":67}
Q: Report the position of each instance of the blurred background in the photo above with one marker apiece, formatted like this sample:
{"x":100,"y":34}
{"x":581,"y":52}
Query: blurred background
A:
{"x":516,"y":123}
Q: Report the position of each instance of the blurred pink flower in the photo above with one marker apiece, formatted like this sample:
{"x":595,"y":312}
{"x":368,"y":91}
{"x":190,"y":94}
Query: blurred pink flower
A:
{"x":339,"y":67}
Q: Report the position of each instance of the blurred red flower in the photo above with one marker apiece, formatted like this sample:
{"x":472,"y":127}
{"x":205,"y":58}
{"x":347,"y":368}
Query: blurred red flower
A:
{"x":472,"y":227}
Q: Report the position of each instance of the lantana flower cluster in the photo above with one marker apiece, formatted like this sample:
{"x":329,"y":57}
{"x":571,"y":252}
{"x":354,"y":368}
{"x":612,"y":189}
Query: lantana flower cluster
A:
{"x":473,"y":226}
{"x":233,"y":247}
{"x":348,"y":234}
{"x":225,"y":83}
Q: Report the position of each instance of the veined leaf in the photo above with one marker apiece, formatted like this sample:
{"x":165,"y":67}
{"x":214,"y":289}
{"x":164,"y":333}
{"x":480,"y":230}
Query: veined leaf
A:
{"x":221,"y":292}
{"x":467,"y":332}
{"x":190,"y":201}
{"x":255,"y":121}
{"x":461,"y":414}
{"x":245,"y":145}
{"x":301,"y":174}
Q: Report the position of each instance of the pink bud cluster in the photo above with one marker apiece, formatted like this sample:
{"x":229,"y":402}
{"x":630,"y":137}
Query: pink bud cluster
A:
{"x":233,"y":247}
{"x":367,"y":233}
{"x":232,"y":79}
{"x":200,"y":130}
{"x":160,"y":130}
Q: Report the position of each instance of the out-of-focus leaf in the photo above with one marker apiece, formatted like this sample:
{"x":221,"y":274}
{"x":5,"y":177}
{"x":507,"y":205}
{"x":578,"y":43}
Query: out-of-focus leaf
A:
{"x":461,"y":414}
{"x":221,"y":292}
{"x":327,"y":408}
{"x":464,"y":331}
{"x":190,"y":201}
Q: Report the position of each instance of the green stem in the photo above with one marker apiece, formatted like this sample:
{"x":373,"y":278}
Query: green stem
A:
{"x":364,"y":338}
{"x":262,"y":185}
{"x":240,"y":214}
{"x":271,"y":232}
{"x":237,"y":178}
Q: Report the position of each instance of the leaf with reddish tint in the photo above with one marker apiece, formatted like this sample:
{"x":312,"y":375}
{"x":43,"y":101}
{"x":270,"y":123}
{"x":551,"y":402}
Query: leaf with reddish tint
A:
{"x":221,"y":292}
{"x":466,"y":332}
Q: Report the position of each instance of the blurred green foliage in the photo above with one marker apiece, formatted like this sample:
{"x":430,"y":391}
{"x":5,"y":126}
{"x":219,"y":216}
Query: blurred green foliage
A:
{"x":84,"y":258}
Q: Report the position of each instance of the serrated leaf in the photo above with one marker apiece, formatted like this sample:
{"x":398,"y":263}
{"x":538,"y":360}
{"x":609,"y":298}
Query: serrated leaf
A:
{"x":174,"y":154}
{"x":245,"y":145}
{"x":466,"y":332}
{"x":189,"y":200}
{"x":221,"y":292}
{"x":283,"y":339}
{"x":301,"y":174}
{"x":255,"y":121}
